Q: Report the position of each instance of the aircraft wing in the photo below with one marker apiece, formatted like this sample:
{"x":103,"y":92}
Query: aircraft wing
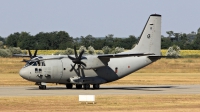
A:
{"x":123,"y":55}
{"x":20,"y":55}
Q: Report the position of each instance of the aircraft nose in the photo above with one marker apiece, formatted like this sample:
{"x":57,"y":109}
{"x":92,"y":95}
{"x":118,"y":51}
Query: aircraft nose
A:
{"x":23,"y":74}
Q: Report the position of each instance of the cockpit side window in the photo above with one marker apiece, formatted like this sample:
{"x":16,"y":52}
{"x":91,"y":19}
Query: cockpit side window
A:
{"x":43,"y":64}
{"x":38,"y":63}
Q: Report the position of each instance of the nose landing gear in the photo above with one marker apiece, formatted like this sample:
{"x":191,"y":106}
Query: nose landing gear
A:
{"x":42,"y":85}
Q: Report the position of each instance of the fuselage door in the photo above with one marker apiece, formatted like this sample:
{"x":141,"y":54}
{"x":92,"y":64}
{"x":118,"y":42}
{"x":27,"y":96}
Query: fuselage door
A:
{"x":56,"y":70}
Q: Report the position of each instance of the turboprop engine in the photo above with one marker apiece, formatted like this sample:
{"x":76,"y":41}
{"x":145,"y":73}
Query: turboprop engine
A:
{"x":87,"y":62}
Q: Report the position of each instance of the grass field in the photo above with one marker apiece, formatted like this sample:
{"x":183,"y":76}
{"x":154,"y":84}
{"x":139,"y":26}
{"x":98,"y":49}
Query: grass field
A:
{"x":184,"y":52}
{"x":117,"y":103}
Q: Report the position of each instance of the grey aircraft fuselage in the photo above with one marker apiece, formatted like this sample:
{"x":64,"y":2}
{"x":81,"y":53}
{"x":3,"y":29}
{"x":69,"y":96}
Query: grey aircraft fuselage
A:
{"x":57,"y":71}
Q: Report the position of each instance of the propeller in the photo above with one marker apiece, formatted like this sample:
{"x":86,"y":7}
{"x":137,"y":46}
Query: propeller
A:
{"x":77,"y":59}
{"x":30,"y":55}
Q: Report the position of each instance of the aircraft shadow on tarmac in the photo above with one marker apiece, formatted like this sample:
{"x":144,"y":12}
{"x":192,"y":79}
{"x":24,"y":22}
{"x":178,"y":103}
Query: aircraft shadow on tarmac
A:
{"x":142,"y":88}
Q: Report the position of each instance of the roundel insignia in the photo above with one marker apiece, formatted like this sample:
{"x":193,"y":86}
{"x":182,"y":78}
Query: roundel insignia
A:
{"x":148,"y":36}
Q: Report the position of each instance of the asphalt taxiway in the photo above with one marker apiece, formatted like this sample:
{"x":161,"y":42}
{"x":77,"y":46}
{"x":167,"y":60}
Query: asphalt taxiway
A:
{"x":104,"y":90}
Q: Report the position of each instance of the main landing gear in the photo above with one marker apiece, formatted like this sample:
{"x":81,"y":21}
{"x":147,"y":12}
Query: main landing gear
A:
{"x":84,"y":86}
{"x":96,"y":86}
{"x":42,"y":87}
{"x":87,"y":86}
{"x":78,"y":86}
{"x":69,"y":86}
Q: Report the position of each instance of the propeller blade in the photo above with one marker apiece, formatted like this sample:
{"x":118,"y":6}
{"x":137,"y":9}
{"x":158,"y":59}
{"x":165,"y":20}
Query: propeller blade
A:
{"x":30,"y":55}
{"x":72,"y":58}
{"x":75,"y":52}
{"x":81,"y":54}
{"x":72,"y":67}
{"x":35,"y":53}
{"x":77,"y":59}
{"x":83,"y":63}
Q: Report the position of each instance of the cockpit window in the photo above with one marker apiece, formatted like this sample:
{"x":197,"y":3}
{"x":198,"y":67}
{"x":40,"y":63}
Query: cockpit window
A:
{"x":34,"y":64}
{"x":38,"y":63}
{"x":30,"y":64}
{"x":43,"y":64}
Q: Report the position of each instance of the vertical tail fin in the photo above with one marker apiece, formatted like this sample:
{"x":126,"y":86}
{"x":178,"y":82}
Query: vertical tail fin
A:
{"x":150,"y":39}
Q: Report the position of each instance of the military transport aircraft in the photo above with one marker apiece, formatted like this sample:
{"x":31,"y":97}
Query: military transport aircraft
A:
{"x":85,"y":70}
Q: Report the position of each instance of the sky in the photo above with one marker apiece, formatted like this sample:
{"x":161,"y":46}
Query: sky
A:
{"x":96,"y":17}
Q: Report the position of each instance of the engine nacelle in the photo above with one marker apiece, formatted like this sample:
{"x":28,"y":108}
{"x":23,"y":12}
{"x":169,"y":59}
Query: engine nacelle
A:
{"x":94,"y":62}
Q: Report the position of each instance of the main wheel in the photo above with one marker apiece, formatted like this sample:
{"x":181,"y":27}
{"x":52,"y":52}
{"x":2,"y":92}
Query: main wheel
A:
{"x":96,"y":86}
{"x":78,"y":86}
{"x":42,"y":87}
{"x":86,"y":86}
{"x":69,"y":86}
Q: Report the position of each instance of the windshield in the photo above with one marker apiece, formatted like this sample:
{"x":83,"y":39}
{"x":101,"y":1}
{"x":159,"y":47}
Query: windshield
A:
{"x":30,"y":63}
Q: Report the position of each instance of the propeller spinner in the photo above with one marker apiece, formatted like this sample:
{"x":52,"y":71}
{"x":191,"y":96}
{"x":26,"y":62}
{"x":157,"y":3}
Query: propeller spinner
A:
{"x":77,"y":59}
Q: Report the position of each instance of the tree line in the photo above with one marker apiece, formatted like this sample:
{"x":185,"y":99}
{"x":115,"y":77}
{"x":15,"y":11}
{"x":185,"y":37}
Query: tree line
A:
{"x":62,"y":40}
{"x":185,"y":41}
